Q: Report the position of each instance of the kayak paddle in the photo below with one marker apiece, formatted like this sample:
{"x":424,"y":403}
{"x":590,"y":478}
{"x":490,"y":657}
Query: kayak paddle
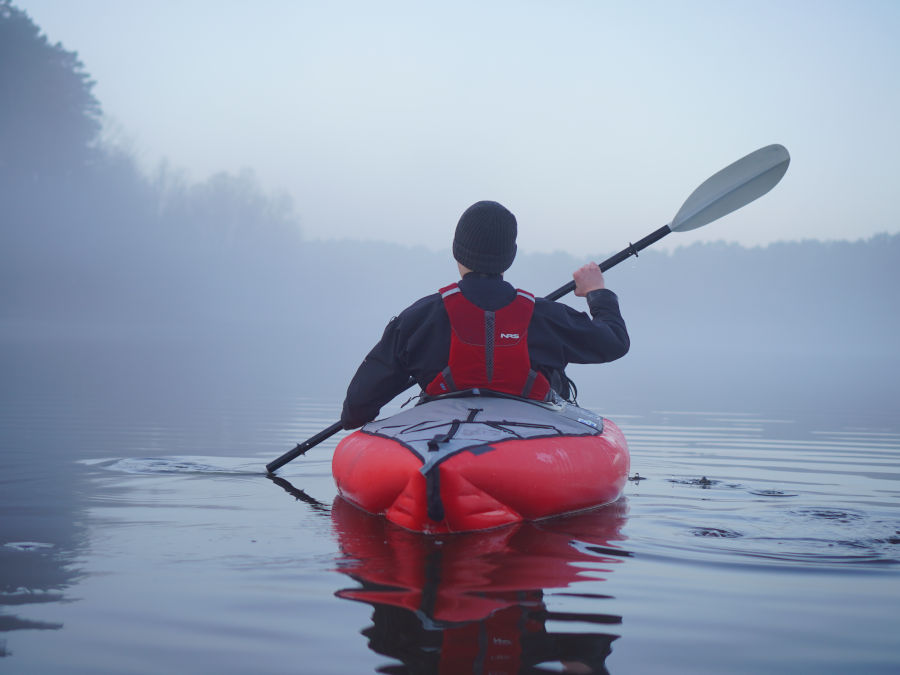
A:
{"x":728,"y":190}
{"x":735,"y":186}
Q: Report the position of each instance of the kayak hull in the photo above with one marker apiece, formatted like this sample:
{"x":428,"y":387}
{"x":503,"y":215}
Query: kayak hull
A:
{"x":480,"y":462}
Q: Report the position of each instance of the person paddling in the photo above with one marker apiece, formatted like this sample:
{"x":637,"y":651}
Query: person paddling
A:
{"x":378,"y":379}
{"x":481,"y":332}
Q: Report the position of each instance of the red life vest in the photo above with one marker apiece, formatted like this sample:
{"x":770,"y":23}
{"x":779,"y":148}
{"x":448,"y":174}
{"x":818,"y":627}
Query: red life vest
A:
{"x":489,"y":350}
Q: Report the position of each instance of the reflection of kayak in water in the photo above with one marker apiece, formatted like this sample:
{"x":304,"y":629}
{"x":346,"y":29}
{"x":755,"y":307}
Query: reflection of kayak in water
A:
{"x":467,"y":576}
{"x":475,"y":602}
{"x":471,"y":462}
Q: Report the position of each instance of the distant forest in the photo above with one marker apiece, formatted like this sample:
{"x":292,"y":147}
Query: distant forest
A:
{"x":93,"y":248}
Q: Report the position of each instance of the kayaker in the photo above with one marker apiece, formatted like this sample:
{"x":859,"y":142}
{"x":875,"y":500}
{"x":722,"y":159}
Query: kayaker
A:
{"x":417,"y":342}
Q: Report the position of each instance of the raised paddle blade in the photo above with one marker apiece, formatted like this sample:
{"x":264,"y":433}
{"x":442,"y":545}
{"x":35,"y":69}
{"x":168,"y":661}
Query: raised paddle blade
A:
{"x":731,"y":188}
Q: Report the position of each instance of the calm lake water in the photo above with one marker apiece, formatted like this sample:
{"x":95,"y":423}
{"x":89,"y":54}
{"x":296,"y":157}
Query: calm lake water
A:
{"x":140,"y":535}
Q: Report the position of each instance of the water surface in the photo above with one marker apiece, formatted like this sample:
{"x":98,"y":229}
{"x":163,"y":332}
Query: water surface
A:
{"x":142,"y":536}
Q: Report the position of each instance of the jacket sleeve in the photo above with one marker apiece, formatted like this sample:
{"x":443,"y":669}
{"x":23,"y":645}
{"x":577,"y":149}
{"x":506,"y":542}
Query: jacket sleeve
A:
{"x":607,"y":319}
{"x":379,"y":378}
{"x":563,"y":335}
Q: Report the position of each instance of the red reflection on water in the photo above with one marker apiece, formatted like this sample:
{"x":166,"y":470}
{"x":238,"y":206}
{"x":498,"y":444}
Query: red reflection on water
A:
{"x":475,"y":602}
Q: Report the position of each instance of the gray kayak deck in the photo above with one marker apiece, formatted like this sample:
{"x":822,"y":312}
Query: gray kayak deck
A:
{"x":443,"y":427}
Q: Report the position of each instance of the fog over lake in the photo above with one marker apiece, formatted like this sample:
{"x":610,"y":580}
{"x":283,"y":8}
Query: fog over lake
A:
{"x":162,"y":337}
{"x":160,"y":274}
{"x":797,"y":325}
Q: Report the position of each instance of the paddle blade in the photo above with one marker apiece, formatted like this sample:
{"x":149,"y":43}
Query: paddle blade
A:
{"x":731,"y":188}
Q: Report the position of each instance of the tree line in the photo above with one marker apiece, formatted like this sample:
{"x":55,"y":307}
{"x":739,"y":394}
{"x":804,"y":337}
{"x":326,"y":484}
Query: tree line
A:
{"x":86,"y":234}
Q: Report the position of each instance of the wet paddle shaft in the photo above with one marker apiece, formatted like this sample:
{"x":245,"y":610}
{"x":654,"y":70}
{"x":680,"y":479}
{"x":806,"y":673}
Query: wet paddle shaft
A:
{"x":731,"y":188}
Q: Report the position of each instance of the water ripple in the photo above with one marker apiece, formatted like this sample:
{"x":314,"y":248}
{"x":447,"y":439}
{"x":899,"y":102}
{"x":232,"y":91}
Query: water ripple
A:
{"x":771,"y":491}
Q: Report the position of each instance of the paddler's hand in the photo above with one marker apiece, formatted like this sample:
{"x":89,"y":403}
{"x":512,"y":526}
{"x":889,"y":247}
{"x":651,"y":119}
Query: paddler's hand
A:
{"x":588,"y":278}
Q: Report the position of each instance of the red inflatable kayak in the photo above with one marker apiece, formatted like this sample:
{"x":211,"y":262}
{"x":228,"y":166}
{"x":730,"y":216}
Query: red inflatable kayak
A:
{"x":474,"y":462}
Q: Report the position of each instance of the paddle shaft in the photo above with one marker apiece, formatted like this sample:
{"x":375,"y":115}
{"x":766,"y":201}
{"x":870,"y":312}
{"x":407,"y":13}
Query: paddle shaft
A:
{"x":624,"y":254}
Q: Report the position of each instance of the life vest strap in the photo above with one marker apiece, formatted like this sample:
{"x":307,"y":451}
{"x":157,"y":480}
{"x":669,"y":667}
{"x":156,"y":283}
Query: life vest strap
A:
{"x":489,"y":325}
{"x":529,"y":383}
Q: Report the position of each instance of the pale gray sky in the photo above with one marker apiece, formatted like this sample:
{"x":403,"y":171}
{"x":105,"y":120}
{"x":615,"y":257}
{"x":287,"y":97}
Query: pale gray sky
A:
{"x":592,"y":121}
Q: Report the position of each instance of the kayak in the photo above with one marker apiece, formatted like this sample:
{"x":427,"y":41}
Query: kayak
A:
{"x":478,"y":460}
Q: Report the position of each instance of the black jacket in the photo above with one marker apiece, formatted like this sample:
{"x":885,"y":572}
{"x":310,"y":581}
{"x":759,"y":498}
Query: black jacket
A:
{"x":417,"y":343}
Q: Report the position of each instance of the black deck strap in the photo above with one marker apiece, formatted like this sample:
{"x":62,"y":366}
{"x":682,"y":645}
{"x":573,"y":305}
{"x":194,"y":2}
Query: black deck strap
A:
{"x":435,"y":507}
{"x":410,"y":400}
{"x":509,"y":427}
{"x":632,"y":250}
{"x":434,"y":504}
{"x":443,"y":438}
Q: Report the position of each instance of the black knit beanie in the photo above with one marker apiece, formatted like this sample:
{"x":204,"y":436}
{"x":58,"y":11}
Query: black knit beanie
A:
{"x":485,"y":239}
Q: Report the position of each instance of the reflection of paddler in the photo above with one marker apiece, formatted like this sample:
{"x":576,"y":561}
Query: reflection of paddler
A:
{"x":474,"y":602}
